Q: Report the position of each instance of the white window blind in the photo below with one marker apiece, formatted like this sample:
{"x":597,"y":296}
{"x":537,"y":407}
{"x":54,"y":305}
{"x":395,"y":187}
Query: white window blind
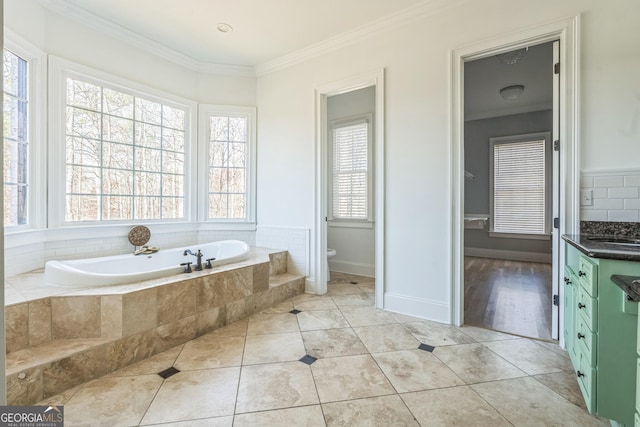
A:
{"x":519,"y":187}
{"x":350,"y":172}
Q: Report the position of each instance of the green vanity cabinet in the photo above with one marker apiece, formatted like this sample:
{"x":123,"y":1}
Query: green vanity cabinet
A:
{"x":601,"y":329}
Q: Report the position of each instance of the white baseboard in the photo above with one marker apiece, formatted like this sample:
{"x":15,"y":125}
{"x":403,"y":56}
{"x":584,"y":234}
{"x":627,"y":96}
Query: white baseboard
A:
{"x":359,"y":269}
{"x":417,"y":307}
{"x":510,"y":255}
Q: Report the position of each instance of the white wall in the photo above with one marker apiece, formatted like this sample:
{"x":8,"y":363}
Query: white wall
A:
{"x":418,"y":153}
{"x":354,"y":245}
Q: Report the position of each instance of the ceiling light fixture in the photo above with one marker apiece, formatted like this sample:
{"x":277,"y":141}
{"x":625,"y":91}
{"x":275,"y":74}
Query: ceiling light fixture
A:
{"x":224,"y":28}
{"x":510,"y":93}
{"x":512,"y":57}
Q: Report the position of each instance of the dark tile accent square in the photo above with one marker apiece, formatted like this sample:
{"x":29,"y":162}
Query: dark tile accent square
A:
{"x":168,"y":372}
{"x":294,"y":311}
{"x":308,"y":359}
{"x":354,"y":283}
{"x":426,"y":347}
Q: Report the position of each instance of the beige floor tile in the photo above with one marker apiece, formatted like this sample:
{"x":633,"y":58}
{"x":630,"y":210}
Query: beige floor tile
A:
{"x":343,"y":289}
{"x":383,"y":338}
{"x":338,"y":278}
{"x":354,"y":300}
{"x":415,"y":370}
{"x":272,"y":324}
{"x":367,"y":316}
{"x":530,"y":357}
{"x":321,"y":319}
{"x":211,"y":351}
{"x":102,"y":402}
{"x":195,"y":394}
{"x":553,"y":346}
{"x":475,"y":363}
{"x":484,"y":335}
{"x":437,"y":334}
{"x":349,"y":377}
{"x":308,"y":302}
{"x":308,"y":416}
{"x":369,"y":288}
{"x":403,"y":318}
{"x":272,"y":348}
{"x":283,"y":307}
{"x":275,"y":386}
{"x":204,"y":422}
{"x":565,"y":384}
{"x":152,"y":365}
{"x":456,"y":406}
{"x":236,"y":329}
{"x":543,"y":407}
{"x":332,"y":343}
{"x":380,"y":411}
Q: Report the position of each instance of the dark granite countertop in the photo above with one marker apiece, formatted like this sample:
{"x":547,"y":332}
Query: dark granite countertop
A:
{"x":596,"y":248}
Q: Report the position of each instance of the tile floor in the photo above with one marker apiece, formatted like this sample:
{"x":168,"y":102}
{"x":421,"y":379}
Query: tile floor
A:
{"x":362,"y":367}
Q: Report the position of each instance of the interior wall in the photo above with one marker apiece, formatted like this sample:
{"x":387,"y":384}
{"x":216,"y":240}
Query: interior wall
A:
{"x":354,"y":245}
{"x":476,"y":192}
{"x":416,"y":58}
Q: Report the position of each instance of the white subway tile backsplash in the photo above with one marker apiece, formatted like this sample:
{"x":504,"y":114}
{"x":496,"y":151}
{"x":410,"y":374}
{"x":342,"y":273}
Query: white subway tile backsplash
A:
{"x":616,"y":196}
{"x":608,"y":203}
{"x":608,"y":181}
{"x":623,"y":216}
{"x":623,"y":193}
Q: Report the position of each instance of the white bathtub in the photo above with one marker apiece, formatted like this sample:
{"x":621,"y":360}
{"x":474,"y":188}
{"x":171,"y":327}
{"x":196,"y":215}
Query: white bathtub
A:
{"x":129,"y":268}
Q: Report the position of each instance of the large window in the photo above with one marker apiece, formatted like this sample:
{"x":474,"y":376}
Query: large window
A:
{"x":125,"y":155}
{"x":350,"y":160}
{"x":519,"y":174}
{"x":16,"y":138}
{"x":229,"y":145}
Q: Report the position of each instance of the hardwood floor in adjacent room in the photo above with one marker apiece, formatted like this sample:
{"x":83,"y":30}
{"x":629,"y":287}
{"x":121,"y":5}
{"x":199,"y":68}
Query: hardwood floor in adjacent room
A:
{"x":508,"y":296}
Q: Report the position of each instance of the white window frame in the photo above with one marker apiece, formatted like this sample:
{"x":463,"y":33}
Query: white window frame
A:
{"x":546,"y":136}
{"x":206,"y":111}
{"x":37,"y":157}
{"x":61,"y":69}
{"x":352,"y":222}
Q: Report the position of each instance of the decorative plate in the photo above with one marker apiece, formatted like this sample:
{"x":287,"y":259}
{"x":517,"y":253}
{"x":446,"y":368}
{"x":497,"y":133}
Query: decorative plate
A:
{"x":139,"y":235}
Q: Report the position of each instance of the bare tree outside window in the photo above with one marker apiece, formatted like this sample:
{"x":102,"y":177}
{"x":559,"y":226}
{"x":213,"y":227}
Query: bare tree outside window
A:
{"x":124,"y":156}
{"x":16,"y":138}
{"x":228,"y":167}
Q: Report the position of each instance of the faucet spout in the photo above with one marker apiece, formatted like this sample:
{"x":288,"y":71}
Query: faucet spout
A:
{"x":198,"y":256}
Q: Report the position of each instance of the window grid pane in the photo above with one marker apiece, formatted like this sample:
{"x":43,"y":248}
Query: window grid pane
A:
{"x":519,"y":187}
{"x":350,"y":172}
{"x":123,"y":162}
{"x":16,"y":138}
{"x":227,"y":167}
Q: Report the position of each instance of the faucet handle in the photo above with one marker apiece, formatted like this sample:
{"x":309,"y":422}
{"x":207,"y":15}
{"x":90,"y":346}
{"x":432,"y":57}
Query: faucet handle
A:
{"x":209,"y":264}
{"x":187,"y":268}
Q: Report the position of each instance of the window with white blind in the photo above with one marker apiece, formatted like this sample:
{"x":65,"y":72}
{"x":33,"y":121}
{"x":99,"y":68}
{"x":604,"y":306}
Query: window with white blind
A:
{"x":350,"y":184}
{"x":519,"y":183}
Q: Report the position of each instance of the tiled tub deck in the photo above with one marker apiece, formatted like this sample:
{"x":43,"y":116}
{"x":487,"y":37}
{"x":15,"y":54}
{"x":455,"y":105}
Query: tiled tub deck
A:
{"x":59,"y":337}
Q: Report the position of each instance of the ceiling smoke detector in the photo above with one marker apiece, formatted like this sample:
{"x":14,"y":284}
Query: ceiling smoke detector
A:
{"x":224,"y":28}
{"x":510,"y":93}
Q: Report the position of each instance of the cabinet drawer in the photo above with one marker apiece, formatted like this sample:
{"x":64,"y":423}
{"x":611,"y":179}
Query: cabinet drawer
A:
{"x":588,"y":276}
{"x":587,"y":382}
{"x":586,"y":341}
{"x":587,"y":307}
{"x":638,"y":387}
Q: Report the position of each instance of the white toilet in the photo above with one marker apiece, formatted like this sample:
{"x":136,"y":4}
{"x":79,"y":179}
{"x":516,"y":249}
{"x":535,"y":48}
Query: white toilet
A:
{"x":330,"y":254}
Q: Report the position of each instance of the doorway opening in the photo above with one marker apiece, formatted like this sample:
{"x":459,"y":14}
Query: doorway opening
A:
{"x":509,"y":191}
{"x":350,"y":184}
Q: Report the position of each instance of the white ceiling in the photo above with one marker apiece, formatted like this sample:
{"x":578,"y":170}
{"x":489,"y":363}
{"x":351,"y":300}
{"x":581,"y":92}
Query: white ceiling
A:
{"x":484,"y":78}
{"x":263,"y":30}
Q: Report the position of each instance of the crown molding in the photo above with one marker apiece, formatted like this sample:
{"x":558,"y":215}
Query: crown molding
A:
{"x":132,"y":38}
{"x":397,"y":19}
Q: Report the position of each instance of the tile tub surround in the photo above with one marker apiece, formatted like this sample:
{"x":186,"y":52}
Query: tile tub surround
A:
{"x":49,"y":352}
{"x":372,"y":374}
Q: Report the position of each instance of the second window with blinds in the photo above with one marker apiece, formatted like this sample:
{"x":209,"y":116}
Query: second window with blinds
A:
{"x":350,"y":172}
{"x":520,"y":186}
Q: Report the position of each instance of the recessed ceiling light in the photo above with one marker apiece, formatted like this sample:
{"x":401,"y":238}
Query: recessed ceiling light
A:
{"x":224,"y":28}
